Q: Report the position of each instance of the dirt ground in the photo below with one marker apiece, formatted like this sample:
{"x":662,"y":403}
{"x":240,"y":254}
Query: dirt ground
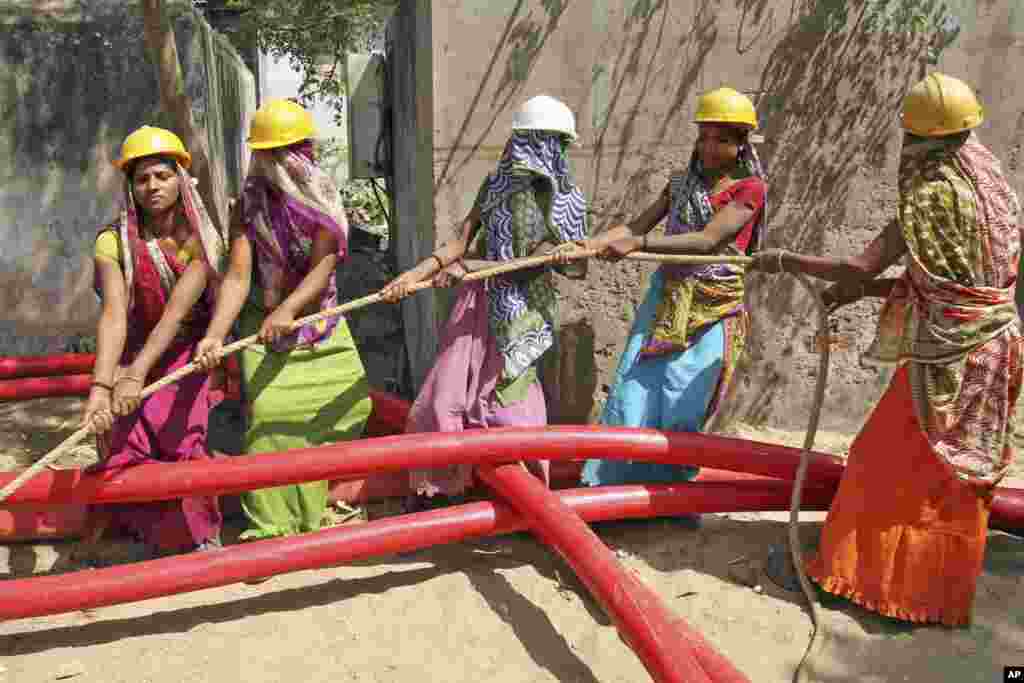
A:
{"x":503,"y":610}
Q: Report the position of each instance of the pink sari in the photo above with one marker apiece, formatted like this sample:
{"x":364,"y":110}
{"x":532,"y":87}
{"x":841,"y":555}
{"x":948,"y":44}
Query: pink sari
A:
{"x":170,"y":425}
{"x":459,"y":392}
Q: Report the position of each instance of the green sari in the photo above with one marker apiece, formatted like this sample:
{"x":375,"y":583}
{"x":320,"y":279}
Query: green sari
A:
{"x":301,"y":398}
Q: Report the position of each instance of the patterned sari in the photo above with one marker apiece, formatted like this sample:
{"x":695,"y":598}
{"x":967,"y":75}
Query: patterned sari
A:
{"x":959,"y":220}
{"x":310,"y":388}
{"x":944,"y":433}
{"x":486,"y":370}
{"x":531,"y":198}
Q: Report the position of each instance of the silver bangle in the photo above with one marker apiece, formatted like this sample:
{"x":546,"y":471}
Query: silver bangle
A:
{"x":782,"y":268}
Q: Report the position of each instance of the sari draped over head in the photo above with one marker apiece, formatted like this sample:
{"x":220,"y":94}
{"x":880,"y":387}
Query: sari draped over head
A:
{"x":695,"y":297}
{"x":287,"y":200}
{"x":172,"y":424}
{"x":151,"y":269}
{"x":953,"y":315}
{"x":523,"y":315}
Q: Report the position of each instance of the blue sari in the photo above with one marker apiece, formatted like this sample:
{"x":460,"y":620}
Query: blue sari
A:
{"x":674,"y":384}
{"x":672,"y":392}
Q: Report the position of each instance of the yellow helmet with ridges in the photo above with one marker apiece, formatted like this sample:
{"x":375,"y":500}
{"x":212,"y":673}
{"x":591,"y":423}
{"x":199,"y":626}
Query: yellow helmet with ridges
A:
{"x":279,"y":123}
{"x":149,"y":141}
{"x":726,"y":106}
{"x":941,"y":105}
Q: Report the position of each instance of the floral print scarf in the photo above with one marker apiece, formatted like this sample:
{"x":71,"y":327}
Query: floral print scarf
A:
{"x":695,"y":297}
{"x":529,"y":199}
{"x":953,"y":315}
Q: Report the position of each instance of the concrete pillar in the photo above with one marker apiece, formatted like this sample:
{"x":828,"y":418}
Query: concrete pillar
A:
{"x":412,"y":183}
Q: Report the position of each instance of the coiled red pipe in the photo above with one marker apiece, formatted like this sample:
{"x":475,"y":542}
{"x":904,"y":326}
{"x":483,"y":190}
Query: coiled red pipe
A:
{"x":27,"y":388}
{"x":356,"y":459}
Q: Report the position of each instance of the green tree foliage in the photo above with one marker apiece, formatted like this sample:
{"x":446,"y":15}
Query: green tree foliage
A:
{"x":314,"y":36}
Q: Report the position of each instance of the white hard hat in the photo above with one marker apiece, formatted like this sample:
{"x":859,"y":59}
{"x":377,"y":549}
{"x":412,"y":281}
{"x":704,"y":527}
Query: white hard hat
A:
{"x":545,"y":113}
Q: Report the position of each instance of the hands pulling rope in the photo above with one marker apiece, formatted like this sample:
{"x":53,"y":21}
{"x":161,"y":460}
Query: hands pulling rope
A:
{"x":559,"y":256}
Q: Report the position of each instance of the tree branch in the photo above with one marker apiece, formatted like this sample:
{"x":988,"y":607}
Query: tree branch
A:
{"x":163,"y":53}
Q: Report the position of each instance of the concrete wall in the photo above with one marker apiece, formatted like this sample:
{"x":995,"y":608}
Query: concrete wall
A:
{"x":74,"y":81}
{"x":827,"y":77}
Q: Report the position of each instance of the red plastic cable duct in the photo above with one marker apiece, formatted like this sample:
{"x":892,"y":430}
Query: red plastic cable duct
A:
{"x":49,"y":521}
{"x":670,"y":649}
{"x":12,"y":367}
{"x":356,"y":459}
{"x":57,"y":594}
{"x":44,"y":387}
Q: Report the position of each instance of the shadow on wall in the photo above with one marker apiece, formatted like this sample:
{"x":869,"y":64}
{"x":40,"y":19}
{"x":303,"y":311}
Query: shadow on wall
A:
{"x":58,"y":122}
{"x":831,"y":91}
{"x":522,"y":41}
{"x":643,"y":67}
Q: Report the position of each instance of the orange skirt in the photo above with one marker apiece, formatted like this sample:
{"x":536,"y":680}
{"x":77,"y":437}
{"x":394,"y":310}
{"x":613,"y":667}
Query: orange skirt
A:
{"x":904,"y":536}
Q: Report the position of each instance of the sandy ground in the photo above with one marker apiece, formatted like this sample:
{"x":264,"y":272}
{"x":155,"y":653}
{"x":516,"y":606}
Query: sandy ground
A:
{"x":503,"y":610}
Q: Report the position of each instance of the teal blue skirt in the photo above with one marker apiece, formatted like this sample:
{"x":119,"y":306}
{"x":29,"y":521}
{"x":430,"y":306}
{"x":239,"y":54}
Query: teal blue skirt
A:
{"x":671,"y":393}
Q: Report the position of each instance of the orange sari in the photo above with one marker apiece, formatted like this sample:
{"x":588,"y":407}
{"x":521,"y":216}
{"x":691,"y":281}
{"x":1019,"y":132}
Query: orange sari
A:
{"x":913,"y":550}
{"x":906,"y":533}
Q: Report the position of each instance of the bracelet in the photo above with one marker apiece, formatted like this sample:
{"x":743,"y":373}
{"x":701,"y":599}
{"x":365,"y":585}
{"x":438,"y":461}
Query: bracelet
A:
{"x":102,"y":385}
{"x":643,"y":242}
{"x":782,"y":268}
{"x":440,"y":263}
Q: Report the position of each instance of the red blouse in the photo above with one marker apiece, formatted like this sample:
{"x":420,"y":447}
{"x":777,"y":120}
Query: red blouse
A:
{"x":750,"y":192}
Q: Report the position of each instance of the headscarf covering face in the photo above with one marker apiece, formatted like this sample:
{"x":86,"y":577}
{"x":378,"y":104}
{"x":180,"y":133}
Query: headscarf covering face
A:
{"x":529,"y":155}
{"x":287,"y":200}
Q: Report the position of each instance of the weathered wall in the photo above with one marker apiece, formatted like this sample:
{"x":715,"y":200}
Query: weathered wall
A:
{"x":74,"y":81}
{"x":827,"y":77}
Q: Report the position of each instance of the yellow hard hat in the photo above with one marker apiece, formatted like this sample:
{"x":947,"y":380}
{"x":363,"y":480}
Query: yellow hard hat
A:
{"x":279,"y":123}
{"x":728,"y":106}
{"x":941,"y":105}
{"x":147,"y":141}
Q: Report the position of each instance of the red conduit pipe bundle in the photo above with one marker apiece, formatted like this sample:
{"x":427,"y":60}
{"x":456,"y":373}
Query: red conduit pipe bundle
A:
{"x":48,"y":521}
{"x":356,"y":459}
{"x":13,"y":367}
{"x":671,"y":650}
{"x":58,"y":594}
